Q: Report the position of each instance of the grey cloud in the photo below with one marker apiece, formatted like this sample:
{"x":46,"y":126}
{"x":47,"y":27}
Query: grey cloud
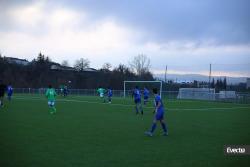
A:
{"x":227,"y":21}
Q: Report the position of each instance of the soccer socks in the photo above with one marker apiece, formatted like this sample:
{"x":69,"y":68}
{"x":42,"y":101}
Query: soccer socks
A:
{"x":153,"y":127}
{"x":136,"y":108}
{"x":54,"y":109}
{"x":164,"y":127}
{"x":141,"y":110}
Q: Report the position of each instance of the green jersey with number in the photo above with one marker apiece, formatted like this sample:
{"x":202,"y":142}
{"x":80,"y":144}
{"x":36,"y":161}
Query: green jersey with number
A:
{"x":101,"y":91}
{"x":51,"y":94}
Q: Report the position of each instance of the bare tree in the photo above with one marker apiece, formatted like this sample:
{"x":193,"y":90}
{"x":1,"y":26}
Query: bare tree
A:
{"x":81,"y":64}
{"x":106,"y":66}
{"x":140,"y":64}
{"x":65,"y":63}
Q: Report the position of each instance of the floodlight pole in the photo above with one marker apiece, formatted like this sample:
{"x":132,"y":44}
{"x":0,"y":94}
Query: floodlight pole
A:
{"x":166,"y":70}
{"x":124,"y":83}
{"x":210,"y":71}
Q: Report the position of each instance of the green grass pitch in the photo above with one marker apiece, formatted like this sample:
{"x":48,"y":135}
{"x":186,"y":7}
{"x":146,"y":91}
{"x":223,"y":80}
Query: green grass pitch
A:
{"x":85,"y":132}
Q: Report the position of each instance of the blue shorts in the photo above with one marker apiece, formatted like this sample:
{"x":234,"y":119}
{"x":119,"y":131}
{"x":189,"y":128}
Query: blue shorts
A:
{"x":137,"y":101}
{"x":145,"y":97}
{"x":159,"y":116}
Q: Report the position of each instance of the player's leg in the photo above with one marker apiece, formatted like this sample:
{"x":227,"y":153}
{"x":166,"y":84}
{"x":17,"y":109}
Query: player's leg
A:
{"x":153,"y":127}
{"x":53,"y":106}
{"x":109,"y":98}
{"x":164,"y":127}
{"x":136,"y":106}
{"x":50,"y":109}
{"x":140,"y":105}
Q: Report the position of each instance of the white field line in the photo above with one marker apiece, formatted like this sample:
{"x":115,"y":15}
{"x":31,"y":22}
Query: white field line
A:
{"x":130,"y":105}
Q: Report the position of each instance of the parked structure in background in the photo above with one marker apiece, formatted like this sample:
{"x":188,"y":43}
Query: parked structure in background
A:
{"x":17,"y":61}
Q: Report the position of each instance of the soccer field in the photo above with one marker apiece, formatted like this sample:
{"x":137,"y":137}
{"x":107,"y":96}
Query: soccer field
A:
{"x":85,"y":132}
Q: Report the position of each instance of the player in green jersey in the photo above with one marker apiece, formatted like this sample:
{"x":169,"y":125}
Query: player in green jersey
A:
{"x":101,"y":92}
{"x":51,"y":96}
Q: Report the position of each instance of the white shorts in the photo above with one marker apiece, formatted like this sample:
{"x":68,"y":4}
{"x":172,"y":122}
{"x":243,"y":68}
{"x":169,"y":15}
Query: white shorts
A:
{"x":101,"y":94}
{"x":51,"y":103}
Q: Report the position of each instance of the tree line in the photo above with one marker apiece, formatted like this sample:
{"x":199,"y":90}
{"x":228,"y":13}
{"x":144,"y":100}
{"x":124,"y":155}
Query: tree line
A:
{"x":38,"y":73}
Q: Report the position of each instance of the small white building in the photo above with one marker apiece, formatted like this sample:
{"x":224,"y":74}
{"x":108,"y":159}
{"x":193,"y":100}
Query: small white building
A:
{"x":17,"y":61}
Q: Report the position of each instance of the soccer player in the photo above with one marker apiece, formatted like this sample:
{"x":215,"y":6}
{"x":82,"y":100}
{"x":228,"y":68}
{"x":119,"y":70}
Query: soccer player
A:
{"x":2,"y":91}
{"x":65,"y":91}
{"x":51,"y":95}
{"x":110,"y":94}
{"x":101,"y":92}
{"x":9,"y":91}
{"x":145,"y":95}
{"x":159,"y":115}
{"x":137,"y":100}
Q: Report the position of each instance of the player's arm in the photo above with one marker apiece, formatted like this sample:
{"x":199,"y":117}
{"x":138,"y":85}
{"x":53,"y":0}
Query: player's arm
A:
{"x":154,"y":106}
{"x":157,"y":106}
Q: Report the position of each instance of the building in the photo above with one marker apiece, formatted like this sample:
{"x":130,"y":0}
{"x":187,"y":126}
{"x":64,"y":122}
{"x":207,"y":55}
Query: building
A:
{"x":90,"y":70}
{"x":57,"y":66}
{"x":17,"y":61}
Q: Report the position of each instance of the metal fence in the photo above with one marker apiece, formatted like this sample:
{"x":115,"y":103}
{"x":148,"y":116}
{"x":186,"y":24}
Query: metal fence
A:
{"x":172,"y":95}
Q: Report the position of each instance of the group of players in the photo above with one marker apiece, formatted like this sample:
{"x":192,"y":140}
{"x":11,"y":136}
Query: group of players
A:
{"x":105,"y":94}
{"x":136,"y":94}
{"x":158,"y":111}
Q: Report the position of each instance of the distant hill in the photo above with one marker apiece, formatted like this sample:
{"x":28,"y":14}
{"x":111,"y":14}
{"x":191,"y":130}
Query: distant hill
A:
{"x":191,"y":77}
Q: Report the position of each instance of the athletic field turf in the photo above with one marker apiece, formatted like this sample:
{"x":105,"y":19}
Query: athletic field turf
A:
{"x":85,"y":132}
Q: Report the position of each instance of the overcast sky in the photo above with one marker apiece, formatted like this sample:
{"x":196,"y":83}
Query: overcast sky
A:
{"x":186,"y":35}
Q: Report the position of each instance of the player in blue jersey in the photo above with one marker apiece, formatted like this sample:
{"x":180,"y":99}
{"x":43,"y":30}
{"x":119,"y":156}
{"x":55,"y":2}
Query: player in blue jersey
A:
{"x":65,"y":91}
{"x":137,"y":100}
{"x":159,"y":115}
{"x":145,"y":95}
{"x":9,"y":91}
{"x":110,"y":94}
